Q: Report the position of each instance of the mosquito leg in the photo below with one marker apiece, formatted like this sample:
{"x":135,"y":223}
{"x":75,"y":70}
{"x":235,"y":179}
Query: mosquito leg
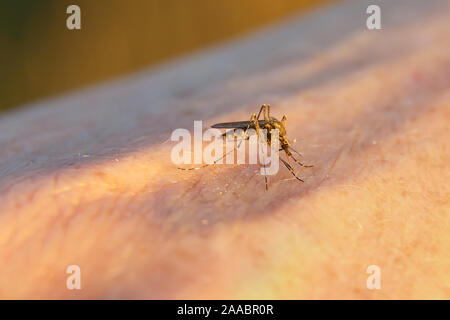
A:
{"x":252,"y":120}
{"x":296,"y":151}
{"x":288,"y":166}
{"x":217,"y":160}
{"x":265,"y":177}
{"x":246,"y":129}
{"x":265,"y":112}
{"x":289,"y":154}
{"x":264,"y":165}
{"x":210,"y":164}
{"x":256,"y":123}
{"x":263,"y":107}
{"x":196,"y":168}
{"x":225,"y":135}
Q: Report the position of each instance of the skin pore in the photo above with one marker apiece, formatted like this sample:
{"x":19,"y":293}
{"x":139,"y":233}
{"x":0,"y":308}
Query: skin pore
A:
{"x":87,"y":179}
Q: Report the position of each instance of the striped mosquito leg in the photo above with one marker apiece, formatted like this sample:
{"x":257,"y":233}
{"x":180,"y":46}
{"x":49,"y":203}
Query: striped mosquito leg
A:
{"x":197,"y":168}
{"x":288,"y":154}
{"x":288,"y":166}
{"x":217,"y":160}
{"x":263,"y":107}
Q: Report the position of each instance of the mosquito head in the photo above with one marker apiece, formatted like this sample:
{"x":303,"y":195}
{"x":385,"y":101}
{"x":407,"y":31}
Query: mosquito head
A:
{"x":276,"y":124}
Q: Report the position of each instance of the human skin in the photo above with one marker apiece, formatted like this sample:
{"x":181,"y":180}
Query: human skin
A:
{"x":87,"y":179}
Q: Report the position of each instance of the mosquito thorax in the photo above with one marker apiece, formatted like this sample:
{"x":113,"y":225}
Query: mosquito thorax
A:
{"x":276,"y":124}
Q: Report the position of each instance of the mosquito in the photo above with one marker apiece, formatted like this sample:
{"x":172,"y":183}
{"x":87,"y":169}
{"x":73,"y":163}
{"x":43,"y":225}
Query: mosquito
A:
{"x":269,"y":123}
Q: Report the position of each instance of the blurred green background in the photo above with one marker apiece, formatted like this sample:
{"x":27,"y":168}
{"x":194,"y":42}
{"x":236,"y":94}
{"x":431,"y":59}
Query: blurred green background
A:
{"x":40,"y":57}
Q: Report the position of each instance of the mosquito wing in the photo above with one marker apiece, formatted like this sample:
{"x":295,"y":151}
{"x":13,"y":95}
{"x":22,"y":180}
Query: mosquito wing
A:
{"x":238,"y":125}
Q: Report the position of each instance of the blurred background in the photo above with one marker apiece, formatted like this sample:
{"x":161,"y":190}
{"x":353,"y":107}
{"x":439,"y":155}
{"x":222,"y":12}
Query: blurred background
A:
{"x":40,"y":57}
